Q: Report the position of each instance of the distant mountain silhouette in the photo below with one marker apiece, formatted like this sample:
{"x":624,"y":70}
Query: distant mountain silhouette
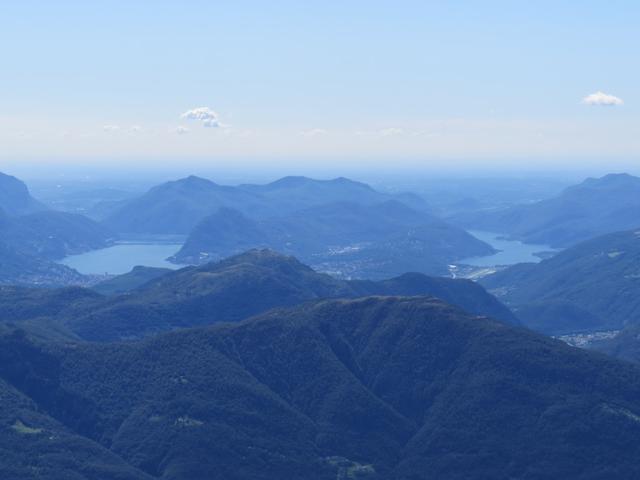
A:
{"x":374,"y":388}
{"x":176,"y":207}
{"x":592,"y":208}
{"x":303,"y":192}
{"x":348,"y":239}
{"x":594,"y":285}
{"x":15,"y":198}
{"x":26,"y":226}
{"x":231,"y":290}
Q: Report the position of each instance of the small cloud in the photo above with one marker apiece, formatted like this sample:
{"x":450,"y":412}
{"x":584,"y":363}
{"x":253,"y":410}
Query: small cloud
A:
{"x":602,"y":99}
{"x":208,"y":117}
{"x":391,"y":132}
{"x":314,"y":132}
{"x":111,"y":128}
{"x":181,"y":130}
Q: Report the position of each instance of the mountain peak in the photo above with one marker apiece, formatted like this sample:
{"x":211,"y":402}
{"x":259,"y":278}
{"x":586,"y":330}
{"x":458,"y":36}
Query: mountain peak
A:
{"x":290,"y":181}
{"x":260,"y":257}
{"x":194,"y":181}
{"x":299,"y":181}
{"x":612,"y":180}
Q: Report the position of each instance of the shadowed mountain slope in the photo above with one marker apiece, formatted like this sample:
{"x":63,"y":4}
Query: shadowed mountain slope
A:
{"x":594,"y":285}
{"x":19,"y":268}
{"x":381,"y":387}
{"x":237,"y":288}
{"x":53,"y":235}
{"x":15,"y":198}
{"x":592,"y":208}
{"x":126,"y":282}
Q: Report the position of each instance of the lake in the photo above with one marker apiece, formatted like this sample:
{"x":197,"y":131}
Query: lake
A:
{"x":510,"y":251}
{"x":122,"y":257}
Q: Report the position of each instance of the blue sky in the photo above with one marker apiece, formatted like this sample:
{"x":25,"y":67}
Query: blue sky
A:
{"x":363,"y":81}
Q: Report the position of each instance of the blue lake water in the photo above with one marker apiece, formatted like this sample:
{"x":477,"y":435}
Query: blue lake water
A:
{"x":510,"y":251}
{"x":122,"y":257}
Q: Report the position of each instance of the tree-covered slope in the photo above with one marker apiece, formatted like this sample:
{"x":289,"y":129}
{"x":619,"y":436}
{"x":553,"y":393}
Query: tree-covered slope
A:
{"x":379,"y":387}
{"x":230,"y":290}
{"x":126,"y":282}
{"x":249,"y":284}
{"x":594,"y":285}
{"x":34,"y":445}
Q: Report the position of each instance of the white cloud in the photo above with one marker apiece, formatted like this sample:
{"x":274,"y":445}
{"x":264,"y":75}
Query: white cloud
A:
{"x":208,"y":117}
{"x":602,"y":99}
{"x":181,"y":130}
{"x":314,"y":132}
{"x":111,"y":128}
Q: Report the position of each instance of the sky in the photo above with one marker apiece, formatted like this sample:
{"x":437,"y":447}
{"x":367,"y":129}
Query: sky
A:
{"x":376,"y":84}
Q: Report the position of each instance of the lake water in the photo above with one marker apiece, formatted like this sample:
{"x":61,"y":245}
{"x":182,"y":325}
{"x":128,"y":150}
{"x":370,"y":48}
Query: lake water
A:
{"x":510,"y":251}
{"x":122,"y":257}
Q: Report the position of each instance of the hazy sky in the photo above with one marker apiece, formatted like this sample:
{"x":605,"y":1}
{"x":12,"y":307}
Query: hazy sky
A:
{"x":320,"y":81}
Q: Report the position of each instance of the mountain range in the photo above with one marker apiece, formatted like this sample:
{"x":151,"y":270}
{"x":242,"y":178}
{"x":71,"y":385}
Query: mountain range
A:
{"x":176,"y":207}
{"x":230,"y":290}
{"x":592,"y":208}
{"x":347,"y":239}
{"x":259,"y":366}
{"x":379,"y":388}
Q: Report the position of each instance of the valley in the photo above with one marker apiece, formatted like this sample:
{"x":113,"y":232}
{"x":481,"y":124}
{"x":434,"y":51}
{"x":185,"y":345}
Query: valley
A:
{"x":355,"y":337}
{"x":337,"y":240}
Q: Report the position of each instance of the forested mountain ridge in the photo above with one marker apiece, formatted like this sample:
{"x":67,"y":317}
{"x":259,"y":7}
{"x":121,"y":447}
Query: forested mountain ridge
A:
{"x":230,"y":290}
{"x":382,"y":387}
